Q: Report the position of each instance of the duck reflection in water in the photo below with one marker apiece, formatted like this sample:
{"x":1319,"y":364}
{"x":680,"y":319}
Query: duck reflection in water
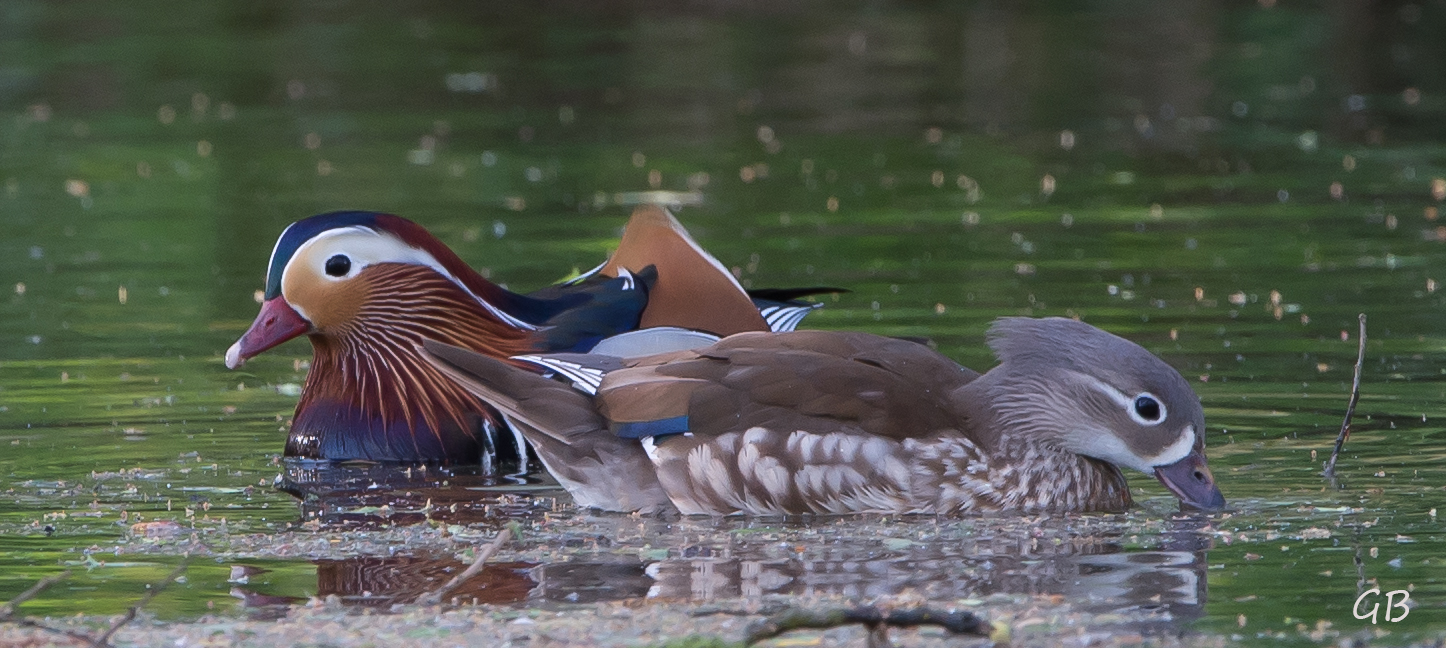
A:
{"x":339,"y":494}
{"x":1093,"y":573}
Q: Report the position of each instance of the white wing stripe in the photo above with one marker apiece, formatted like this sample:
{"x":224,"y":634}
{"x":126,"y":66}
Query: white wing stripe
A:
{"x":797,"y":318}
{"x":782,"y":319}
{"x":584,"y":379}
{"x":583,"y":277}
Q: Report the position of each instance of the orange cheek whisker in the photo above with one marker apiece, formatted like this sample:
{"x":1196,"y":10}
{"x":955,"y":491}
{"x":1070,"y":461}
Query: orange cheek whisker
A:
{"x":368,"y":362}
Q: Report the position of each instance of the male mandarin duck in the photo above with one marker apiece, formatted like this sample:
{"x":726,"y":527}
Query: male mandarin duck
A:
{"x":367,"y":288}
{"x":847,"y":422}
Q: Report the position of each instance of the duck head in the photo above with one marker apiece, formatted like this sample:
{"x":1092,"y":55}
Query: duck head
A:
{"x":1101,"y":396}
{"x":327,"y":269}
{"x":367,"y":288}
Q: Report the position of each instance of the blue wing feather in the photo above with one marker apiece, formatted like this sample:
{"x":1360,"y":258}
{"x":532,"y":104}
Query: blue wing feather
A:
{"x":645,"y":429}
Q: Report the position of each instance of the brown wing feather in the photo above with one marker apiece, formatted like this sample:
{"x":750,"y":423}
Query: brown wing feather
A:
{"x":808,"y":380}
{"x":648,"y":400}
{"x":795,"y":422}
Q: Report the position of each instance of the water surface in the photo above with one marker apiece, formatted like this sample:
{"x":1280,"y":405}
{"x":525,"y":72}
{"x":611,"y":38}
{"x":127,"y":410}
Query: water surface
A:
{"x":1228,"y":186}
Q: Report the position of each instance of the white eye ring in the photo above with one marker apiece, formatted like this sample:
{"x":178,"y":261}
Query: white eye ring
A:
{"x":1147,"y":409}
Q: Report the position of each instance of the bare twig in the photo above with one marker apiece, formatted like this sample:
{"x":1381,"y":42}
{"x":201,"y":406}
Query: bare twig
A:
{"x":435,"y":596}
{"x":8,"y":610}
{"x":765,"y":608}
{"x":877,"y":621}
{"x":1330,"y":467}
{"x":104,"y":640}
{"x":78,"y":637}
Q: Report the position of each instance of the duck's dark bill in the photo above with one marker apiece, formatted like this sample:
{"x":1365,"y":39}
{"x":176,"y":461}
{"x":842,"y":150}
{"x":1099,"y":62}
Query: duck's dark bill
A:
{"x":1190,"y":480}
{"x":276,"y":323}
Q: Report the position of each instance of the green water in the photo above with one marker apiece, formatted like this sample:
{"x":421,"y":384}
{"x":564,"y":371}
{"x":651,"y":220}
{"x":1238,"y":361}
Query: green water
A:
{"x":1227,"y":186}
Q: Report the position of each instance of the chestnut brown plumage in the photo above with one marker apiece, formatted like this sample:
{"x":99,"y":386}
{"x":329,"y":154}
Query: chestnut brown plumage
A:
{"x":366,"y":374}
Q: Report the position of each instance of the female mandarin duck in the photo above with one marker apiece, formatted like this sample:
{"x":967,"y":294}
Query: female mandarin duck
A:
{"x":367,"y":288}
{"x":843,"y":422}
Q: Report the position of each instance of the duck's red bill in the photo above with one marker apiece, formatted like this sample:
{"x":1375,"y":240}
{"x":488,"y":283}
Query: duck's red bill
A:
{"x":1190,"y":480}
{"x":276,"y":323}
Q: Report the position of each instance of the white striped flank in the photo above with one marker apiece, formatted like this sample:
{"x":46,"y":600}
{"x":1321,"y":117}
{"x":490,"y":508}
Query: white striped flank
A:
{"x":782,"y":319}
{"x":584,"y":379}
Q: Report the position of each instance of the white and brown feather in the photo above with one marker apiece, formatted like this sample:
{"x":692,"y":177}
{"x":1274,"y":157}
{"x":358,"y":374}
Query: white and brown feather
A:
{"x":841,"y":422}
{"x":816,"y":422}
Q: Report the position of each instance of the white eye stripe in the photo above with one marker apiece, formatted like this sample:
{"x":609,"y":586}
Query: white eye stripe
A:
{"x":1125,"y":402}
{"x":1115,"y":395}
{"x":364,"y":246}
{"x":370,"y":244}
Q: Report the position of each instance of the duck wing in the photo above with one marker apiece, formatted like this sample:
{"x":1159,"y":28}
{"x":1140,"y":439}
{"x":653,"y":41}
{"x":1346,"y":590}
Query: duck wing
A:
{"x":599,"y":469}
{"x":806,"y":380}
{"x":804,"y":422}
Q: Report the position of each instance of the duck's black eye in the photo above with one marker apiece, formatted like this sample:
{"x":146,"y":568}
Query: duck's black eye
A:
{"x":1147,"y":408}
{"x":338,"y":265}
